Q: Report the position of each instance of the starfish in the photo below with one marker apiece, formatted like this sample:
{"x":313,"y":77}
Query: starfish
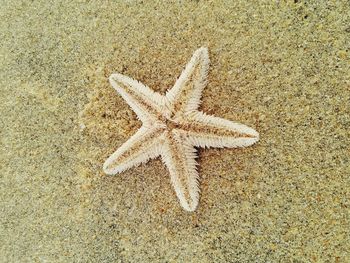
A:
{"x":172,"y":127}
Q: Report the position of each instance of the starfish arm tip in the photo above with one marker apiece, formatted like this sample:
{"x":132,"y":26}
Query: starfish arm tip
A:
{"x":189,"y":205}
{"x":113,"y":76}
{"x":255,"y":135}
{"x":107,"y":169}
{"x":190,"y":208}
{"x":202,"y":49}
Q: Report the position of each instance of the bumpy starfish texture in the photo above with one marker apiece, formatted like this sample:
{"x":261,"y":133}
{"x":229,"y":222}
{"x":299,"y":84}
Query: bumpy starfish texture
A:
{"x":172,"y":127}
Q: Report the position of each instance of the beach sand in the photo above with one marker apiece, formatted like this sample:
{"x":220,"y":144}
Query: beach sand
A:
{"x":281,"y":67}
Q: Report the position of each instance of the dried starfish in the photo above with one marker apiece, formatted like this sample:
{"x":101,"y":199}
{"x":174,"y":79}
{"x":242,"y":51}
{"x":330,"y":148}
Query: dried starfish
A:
{"x":173,"y":127}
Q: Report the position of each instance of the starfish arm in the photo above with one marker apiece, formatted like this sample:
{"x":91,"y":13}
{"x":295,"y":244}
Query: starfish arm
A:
{"x":186,"y":94}
{"x":146,"y":103}
{"x":141,"y":147}
{"x":179,"y":156}
{"x":210,"y":131}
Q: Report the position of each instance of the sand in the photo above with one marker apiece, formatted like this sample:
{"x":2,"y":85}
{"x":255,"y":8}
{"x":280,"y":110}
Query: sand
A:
{"x":281,"y":67}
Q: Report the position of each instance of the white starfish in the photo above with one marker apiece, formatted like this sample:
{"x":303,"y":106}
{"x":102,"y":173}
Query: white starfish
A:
{"x":172,"y":128}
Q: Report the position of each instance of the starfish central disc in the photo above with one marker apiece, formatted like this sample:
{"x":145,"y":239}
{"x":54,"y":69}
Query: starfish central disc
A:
{"x":170,"y":124}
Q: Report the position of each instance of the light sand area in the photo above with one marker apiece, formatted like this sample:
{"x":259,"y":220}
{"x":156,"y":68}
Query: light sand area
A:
{"x":281,"y":67}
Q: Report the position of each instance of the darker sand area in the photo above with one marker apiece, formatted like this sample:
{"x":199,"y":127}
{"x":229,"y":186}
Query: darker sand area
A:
{"x":281,"y":67}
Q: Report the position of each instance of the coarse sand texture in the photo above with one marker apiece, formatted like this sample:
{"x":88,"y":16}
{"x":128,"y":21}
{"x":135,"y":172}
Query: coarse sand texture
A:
{"x":279,"y":67}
